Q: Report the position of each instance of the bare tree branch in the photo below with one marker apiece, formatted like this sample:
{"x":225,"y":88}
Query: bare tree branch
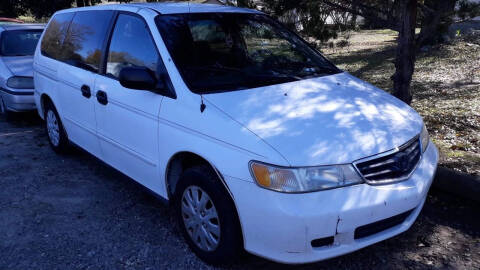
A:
{"x":368,"y":12}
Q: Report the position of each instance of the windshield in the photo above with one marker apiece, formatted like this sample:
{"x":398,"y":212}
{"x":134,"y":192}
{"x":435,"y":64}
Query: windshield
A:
{"x":217,"y":52}
{"x":19,"y":42}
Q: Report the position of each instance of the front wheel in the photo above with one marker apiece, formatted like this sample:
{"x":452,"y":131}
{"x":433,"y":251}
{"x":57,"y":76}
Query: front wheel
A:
{"x":207,"y":217}
{"x":57,"y":136}
{"x":3,"y":110}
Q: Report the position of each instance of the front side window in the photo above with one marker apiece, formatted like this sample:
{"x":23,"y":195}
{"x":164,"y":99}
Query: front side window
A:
{"x":217,"y":52}
{"x":56,"y":32}
{"x":131,"y":46}
{"x":19,"y":42}
{"x":82,"y":46}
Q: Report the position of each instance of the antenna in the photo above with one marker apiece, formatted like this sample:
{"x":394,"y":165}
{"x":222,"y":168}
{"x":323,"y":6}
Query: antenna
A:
{"x":202,"y":106}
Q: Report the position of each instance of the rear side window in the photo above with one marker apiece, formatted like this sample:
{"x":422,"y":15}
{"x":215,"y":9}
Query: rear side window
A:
{"x":131,"y":45}
{"x":55,"y":34}
{"x":82,"y":46}
{"x":19,"y":42}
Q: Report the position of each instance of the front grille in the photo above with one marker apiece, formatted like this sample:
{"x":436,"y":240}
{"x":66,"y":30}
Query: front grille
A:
{"x":393,"y":167}
{"x":382,"y":225}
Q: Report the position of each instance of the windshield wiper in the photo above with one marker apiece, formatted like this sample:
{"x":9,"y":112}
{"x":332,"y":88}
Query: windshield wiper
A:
{"x":13,"y":55}
{"x":214,"y":68}
{"x":249,"y":75}
{"x":276,"y":78}
{"x":319,"y":72}
{"x":327,"y":70}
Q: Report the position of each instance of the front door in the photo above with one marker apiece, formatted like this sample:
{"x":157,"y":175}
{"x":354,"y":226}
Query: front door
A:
{"x":81,"y":56}
{"x":127,"y":119}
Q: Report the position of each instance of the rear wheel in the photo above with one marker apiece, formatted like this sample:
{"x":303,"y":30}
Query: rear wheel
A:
{"x":207,"y":216}
{"x":57,"y":136}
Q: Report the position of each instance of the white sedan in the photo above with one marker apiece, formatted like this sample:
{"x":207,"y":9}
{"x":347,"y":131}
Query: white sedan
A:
{"x":17,"y":46}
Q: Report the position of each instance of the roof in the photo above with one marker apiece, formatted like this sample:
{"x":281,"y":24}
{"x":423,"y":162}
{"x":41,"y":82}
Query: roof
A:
{"x":168,"y":8}
{"x":22,"y":26}
{"x":172,"y":8}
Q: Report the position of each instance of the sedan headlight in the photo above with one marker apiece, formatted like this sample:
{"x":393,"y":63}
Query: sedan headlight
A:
{"x":306,"y":179}
{"x":18,"y":82}
{"x":424,"y":138}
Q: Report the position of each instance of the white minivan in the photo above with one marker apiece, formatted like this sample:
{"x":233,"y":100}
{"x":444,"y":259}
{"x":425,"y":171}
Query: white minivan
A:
{"x":259,"y":142}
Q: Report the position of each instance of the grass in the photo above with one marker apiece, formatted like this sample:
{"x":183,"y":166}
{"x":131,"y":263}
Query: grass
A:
{"x":445,"y":86}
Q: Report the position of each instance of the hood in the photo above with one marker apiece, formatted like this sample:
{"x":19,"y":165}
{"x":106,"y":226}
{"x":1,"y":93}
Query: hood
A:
{"x":327,"y":120}
{"x":19,"y":65}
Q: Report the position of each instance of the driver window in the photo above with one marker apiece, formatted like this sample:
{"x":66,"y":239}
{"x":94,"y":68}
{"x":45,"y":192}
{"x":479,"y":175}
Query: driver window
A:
{"x":131,"y":46}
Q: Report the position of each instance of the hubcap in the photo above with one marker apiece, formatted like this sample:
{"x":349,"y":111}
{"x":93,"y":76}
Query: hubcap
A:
{"x":200,"y":218}
{"x":52,"y":128}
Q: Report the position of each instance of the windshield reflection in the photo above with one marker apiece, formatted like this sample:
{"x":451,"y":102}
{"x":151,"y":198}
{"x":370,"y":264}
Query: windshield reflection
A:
{"x":237,"y":51}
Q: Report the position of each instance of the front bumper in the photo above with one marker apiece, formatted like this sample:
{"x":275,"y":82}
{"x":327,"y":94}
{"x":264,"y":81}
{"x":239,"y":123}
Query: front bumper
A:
{"x":281,"y":227}
{"x":18,"y":100}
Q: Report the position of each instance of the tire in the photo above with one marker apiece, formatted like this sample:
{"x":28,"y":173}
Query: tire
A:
{"x":202,"y":180}
{"x":3,"y":110}
{"x":57,"y":137}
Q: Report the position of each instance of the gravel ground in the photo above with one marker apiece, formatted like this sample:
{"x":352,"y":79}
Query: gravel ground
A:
{"x":74,"y":212}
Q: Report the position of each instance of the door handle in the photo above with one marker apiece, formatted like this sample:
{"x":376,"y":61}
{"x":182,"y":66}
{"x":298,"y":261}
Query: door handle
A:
{"x":86,"y":91}
{"x":102,"y":97}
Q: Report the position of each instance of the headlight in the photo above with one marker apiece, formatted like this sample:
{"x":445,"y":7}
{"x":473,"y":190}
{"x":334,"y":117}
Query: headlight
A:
{"x":307,"y":179}
{"x":20,"y":82}
{"x":424,"y":138}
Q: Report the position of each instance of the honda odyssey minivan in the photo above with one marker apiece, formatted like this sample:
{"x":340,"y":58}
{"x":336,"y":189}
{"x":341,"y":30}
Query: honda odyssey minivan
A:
{"x":257,"y":140}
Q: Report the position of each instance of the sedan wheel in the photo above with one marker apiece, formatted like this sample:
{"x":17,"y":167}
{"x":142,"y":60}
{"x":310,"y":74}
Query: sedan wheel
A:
{"x":4,"y":111}
{"x":2,"y":107}
{"x":53,"y":128}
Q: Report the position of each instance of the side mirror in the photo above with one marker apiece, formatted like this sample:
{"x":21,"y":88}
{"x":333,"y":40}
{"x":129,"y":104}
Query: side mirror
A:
{"x":140,"y":78}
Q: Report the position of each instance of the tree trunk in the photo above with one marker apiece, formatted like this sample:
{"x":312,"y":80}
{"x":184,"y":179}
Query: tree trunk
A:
{"x":429,"y":32}
{"x":405,"y":53}
{"x":84,"y":3}
{"x":436,"y":21}
{"x":353,"y":22}
{"x":243,"y":3}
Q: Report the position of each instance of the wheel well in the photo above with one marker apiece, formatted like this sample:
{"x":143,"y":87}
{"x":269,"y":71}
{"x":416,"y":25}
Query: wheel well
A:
{"x":178,"y":164}
{"x":44,"y":99}
{"x":184,"y":160}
